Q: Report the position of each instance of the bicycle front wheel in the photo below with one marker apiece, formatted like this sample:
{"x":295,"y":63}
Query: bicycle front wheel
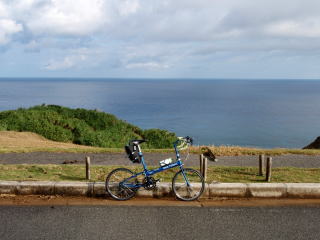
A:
{"x":121,"y":184}
{"x":187,"y":184}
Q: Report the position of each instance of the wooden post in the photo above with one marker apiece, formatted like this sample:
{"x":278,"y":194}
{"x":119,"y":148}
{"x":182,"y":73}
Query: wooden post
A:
{"x":205,"y":166}
{"x":268,"y":169}
{"x":261,"y":164}
{"x":201,"y":164}
{"x":88,"y":168}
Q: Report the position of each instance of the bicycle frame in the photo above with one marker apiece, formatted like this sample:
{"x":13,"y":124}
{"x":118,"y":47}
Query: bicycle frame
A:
{"x":148,"y":173}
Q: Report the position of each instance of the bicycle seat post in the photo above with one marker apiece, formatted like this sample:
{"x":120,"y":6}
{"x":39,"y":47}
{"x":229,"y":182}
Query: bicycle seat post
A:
{"x":142,"y":158}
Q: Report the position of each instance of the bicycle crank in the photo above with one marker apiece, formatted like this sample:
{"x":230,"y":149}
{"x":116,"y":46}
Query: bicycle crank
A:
{"x":149,"y":183}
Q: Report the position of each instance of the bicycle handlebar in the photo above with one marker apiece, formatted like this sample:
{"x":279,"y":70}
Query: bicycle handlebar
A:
{"x":184,"y":142}
{"x":189,"y":140}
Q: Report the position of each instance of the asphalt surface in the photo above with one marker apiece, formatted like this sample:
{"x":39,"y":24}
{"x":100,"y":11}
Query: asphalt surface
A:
{"x":133,"y":222}
{"x":304,"y":161}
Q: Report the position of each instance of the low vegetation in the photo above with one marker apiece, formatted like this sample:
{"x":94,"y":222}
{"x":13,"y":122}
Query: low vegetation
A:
{"x":99,"y":173}
{"x":81,"y":126}
{"x":23,"y":142}
{"x":246,"y":151}
{"x":52,"y":128}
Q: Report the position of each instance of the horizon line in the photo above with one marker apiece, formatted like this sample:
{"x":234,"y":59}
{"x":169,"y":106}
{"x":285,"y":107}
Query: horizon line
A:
{"x":157,"y":78}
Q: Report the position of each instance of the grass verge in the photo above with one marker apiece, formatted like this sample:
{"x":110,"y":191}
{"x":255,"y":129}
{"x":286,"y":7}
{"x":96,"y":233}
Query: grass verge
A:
{"x":246,"y":151}
{"x":218,"y":150}
{"x":215,"y":174}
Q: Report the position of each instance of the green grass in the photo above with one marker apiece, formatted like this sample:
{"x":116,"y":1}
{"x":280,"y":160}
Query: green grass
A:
{"x":75,"y":150}
{"x":246,"y":151}
{"x":218,"y":150}
{"x":81,"y":126}
{"x":250,"y":174}
{"x":98,"y":173}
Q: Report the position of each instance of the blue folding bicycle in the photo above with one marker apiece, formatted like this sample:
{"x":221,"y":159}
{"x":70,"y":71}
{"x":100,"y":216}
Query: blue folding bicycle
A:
{"x":187,"y":183}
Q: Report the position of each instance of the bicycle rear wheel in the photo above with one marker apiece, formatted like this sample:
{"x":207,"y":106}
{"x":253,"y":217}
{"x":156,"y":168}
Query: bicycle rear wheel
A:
{"x":120,"y":184}
{"x":187,"y":184}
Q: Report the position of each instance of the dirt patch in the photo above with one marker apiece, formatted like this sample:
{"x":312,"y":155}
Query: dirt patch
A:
{"x":13,"y":140}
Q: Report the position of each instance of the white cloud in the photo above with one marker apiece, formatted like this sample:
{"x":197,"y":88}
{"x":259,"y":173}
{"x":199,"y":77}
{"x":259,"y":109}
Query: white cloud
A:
{"x":171,"y":20}
{"x":147,"y":65}
{"x":127,"y":7}
{"x":7,"y":28}
{"x":3,"y":10}
{"x":160,"y":35}
{"x":309,"y":28}
{"x":74,"y":58}
{"x":66,"y":63}
{"x":60,"y":17}
{"x":268,"y":19}
{"x":32,"y":45}
{"x":71,"y":17}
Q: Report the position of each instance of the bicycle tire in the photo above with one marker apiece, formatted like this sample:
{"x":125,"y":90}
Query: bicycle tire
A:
{"x":181,"y":189}
{"x":114,"y":187}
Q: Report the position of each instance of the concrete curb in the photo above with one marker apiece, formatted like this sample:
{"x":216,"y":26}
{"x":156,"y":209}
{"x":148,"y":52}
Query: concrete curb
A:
{"x":213,"y":190}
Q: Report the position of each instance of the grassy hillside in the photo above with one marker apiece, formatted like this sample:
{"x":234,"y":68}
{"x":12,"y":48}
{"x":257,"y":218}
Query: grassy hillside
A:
{"x":81,"y":126}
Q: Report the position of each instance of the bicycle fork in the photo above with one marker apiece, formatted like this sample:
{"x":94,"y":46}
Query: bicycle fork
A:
{"x":185,"y":177}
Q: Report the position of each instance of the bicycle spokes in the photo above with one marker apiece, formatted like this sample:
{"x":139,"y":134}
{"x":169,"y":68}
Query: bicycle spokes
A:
{"x":188,"y":184}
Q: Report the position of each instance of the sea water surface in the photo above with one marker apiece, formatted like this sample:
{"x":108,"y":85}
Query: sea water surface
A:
{"x":260,"y":113}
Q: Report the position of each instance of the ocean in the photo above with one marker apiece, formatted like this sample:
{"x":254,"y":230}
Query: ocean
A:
{"x":255,"y":113}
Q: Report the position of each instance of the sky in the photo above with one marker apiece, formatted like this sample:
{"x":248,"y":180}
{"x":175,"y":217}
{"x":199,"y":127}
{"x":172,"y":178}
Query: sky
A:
{"x":160,"y":39}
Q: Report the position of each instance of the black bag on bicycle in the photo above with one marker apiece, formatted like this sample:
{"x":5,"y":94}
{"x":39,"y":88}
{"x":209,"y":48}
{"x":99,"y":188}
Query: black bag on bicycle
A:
{"x":132,"y":151}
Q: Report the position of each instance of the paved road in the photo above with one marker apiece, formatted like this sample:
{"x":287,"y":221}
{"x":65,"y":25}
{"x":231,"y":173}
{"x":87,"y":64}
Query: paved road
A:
{"x":128,"y":222}
{"x":305,"y":161}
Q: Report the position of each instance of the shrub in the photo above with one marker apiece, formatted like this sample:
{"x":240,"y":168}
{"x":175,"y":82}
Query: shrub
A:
{"x":3,"y":127}
{"x":81,"y":126}
{"x":158,"y":138}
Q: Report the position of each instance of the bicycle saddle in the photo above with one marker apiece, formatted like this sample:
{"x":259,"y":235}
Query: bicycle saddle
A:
{"x":138,"y":141}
